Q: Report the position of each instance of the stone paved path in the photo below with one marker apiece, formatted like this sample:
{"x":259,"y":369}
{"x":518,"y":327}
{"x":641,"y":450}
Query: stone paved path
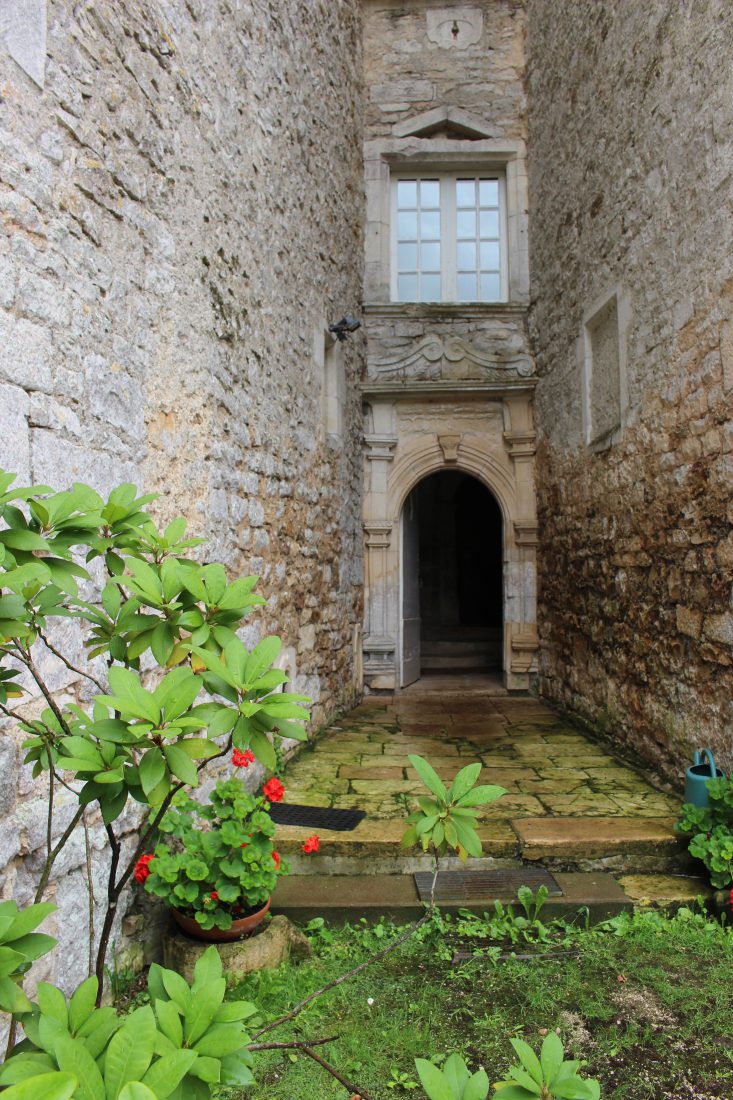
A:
{"x":565,"y":793}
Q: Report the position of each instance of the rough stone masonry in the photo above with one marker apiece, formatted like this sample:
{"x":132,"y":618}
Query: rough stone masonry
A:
{"x":181,"y":206}
{"x":631,"y":182}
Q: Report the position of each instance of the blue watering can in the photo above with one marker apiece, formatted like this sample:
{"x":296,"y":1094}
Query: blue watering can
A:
{"x":697,"y":777}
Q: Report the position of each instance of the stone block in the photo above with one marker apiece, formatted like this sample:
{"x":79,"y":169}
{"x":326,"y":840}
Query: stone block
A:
{"x":25,"y":353}
{"x":14,"y":432}
{"x":266,"y":949}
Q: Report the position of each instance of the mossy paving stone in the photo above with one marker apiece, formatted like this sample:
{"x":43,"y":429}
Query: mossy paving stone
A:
{"x":386,"y":775}
{"x":585,"y":804}
{"x":664,"y":890}
{"x":592,"y":837}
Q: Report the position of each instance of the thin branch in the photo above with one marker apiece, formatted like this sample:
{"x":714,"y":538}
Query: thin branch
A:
{"x":90,"y":890}
{"x":49,"y":817}
{"x":50,"y":860}
{"x":354,"y":1090}
{"x":72,"y":668}
{"x":293,"y":1044}
{"x":25,"y":658}
{"x":356,"y":970}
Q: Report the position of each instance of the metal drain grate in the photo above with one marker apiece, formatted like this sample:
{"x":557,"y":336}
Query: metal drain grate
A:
{"x":483,"y":885}
{"x":316,"y":817}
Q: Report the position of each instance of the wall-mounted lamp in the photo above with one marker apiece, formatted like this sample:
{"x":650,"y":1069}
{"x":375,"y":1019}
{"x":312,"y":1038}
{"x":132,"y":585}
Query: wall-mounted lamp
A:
{"x":346,"y":325}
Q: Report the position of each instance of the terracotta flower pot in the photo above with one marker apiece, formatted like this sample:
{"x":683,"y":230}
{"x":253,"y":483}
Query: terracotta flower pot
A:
{"x":239,"y":928}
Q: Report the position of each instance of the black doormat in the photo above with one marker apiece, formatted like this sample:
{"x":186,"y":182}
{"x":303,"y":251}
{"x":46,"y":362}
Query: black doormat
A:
{"x":316,"y":817}
{"x":485,"y":885}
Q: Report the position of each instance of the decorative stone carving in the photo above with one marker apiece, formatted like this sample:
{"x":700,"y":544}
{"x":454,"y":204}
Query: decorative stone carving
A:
{"x":455,"y":28}
{"x":378,"y":533}
{"x":380,"y":447}
{"x":450,"y":358}
{"x":449,"y":445}
{"x":521,"y":444}
{"x":525,"y":532}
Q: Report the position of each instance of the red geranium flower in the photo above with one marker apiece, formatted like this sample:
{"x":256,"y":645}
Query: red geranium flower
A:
{"x":273,"y":790}
{"x":276,"y":857}
{"x":731,"y":899}
{"x":214,"y":896}
{"x":142,"y":870}
{"x":311,"y":844}
{"x":242,"y":759}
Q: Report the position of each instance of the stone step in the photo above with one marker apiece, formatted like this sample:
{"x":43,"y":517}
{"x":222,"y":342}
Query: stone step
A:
{"x":443,"y":662}
{"x":341,"y":898}
{"x":621,"y":845}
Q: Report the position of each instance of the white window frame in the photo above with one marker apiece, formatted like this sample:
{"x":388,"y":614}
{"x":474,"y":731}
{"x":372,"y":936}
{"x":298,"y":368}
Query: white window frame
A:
{"x":448,"y":238}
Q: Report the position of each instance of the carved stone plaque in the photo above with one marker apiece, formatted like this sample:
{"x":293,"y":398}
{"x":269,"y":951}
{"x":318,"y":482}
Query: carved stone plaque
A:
{"x":455,"y":28}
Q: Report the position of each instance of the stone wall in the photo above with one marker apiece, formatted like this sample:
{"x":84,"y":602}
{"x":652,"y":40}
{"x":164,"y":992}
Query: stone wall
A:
{"x":631,"y":180}
{"x":182,"y":213}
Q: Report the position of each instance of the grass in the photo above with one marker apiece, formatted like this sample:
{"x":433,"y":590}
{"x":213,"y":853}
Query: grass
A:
{"x":646,"y":1001}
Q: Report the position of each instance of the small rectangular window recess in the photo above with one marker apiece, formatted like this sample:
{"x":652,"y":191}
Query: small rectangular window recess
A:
{"x":604,"y":370}
{"x":449,"y":237}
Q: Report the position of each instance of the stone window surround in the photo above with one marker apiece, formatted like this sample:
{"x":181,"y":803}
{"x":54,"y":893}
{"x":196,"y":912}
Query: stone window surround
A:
{"x":382,"y":155}
{"x":585,"y":360}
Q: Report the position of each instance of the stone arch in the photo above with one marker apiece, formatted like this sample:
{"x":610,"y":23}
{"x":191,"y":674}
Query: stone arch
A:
{"x":413,"y":467}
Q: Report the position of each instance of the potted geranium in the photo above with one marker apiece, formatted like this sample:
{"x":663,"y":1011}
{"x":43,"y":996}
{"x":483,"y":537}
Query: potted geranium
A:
{"x":219,"y":867}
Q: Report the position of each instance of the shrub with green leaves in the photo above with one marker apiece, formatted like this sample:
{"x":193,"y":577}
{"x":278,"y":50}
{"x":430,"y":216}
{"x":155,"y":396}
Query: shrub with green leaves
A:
{"x":448,"y":819}
{"x":548,"y":1077}
{"x":181,"y":1046}
{"x":223,"y":862}
{"x":711,"y":831}
{"x":20,"y":946}
{"x":141,"y":737}
{"x":453,"y":1082}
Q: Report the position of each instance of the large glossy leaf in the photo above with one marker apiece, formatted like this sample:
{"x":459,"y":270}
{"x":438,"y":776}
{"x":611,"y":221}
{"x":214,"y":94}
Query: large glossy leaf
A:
{"x":130,"y":1051}
{"x":202,"y":1009}
{"x":181,"y":764}
{"x":81,"y":1004}
{"x":480,"y":796}
{"x":464,"y":781}
{"x":48,"y":1086}
{"x":73,"y":1057}
{"x":551,"y":1056}
{"x":429,"y":777}
{"x":28,"y":919}
{"x":176,"y":692}
{"x":433,"y":1081}
{"x":477,"y":1088}
{"x":262,"y":657}
{"x":164,"y":1075}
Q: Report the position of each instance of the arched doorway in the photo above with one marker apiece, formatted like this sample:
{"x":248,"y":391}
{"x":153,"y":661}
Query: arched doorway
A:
{"x":452,"y":577}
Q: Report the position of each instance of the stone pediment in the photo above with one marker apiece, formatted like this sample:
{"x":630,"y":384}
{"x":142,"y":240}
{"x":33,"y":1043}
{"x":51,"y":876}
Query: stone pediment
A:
{"x":449,"y":359}
{"x":445,"y":122}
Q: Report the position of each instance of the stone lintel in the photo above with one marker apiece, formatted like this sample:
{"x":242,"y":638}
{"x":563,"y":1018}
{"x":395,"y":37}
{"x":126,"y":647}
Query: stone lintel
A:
{"x":447,"y":311}
{"x":416,"y":388}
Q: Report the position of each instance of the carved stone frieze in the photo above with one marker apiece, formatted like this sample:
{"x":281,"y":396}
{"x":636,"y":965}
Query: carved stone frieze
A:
{"x":450,"y":358}
{"x":378,"y":533}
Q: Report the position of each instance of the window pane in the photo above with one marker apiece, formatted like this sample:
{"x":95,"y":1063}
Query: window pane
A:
{"x":465,"y":192}
{"x":430,"y":288}
{"x":490,"y":255}
{"x":465,"y":223}
{"x":466,"y":286}
{"x":430,"y":225}
{"x":407,"y":227}
{"x":488,"y":191}
{"x":430,"y":257}
{"x":407,"y":257}
{"x":466,"y":255}
{"x":407,"y":288}
{"x":489,"y":223}
{"x":490,"y":288}
{"x":429,"y":194}
{"x":407,"y":194}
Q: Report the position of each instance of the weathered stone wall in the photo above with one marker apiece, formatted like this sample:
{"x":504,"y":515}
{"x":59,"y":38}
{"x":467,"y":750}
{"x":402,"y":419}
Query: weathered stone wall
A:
{"x":182,"y":215}
{"x":422,"y":54}
{"x":631,"y":162}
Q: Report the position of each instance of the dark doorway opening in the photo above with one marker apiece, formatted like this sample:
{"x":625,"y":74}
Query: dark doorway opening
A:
{"x":456,"y":552}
